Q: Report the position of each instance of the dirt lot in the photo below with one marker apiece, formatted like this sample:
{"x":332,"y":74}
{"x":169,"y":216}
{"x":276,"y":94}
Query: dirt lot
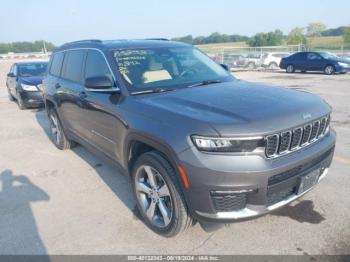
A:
{"x":70,"y":202}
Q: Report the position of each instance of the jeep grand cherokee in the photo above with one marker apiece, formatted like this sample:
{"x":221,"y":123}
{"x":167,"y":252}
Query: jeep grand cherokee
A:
{"x":198,"y":144}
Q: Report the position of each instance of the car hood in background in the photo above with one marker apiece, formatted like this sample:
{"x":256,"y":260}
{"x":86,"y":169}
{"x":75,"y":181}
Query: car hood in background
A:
{"x":237,"y":107}
{"x":32,"y":80}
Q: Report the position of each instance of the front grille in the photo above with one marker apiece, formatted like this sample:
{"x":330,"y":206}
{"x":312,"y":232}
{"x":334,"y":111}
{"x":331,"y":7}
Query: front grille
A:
{"x":289,"y":140}
{"x":226,"y":202}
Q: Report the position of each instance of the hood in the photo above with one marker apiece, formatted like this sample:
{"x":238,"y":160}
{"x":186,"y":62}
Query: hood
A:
{"x":237,"y":107}
{"x":32,"y":80}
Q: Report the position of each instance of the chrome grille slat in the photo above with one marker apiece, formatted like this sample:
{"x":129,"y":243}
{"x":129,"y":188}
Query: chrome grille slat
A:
{"x":291,"y":140}
{"x":296,"y":138}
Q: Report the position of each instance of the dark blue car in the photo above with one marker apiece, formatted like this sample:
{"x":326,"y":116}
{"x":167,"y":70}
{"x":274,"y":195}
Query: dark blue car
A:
{"x":23,"y":82}
{"x":315,"y":61}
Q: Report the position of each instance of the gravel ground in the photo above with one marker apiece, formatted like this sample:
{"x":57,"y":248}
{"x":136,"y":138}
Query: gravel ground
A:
{"x":69,"y":202}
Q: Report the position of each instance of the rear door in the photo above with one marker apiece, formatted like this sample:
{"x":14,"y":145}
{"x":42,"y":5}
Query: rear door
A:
{"x":69,"y":90}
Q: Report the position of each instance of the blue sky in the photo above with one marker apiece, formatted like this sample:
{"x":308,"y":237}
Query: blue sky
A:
{"x":66,"y":20}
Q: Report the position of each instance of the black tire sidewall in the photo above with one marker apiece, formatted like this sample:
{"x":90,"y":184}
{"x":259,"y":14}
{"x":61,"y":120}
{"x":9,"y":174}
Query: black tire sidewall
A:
{"x":156,"y":161}
{"x":293,"y":69}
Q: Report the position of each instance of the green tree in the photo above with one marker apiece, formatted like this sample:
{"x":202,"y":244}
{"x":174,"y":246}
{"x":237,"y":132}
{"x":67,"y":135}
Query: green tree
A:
{"x":315,"y":29}
{"x":346,"y":36}
{"x":266,"y":39}
{"x":296,"y":36}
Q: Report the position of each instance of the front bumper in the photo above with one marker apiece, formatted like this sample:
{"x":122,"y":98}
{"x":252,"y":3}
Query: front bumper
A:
{"x":32,"y":98}
{"x":228,"y":188}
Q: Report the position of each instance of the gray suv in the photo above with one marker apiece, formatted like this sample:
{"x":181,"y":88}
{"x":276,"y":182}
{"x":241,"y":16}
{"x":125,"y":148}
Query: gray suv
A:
{"x":198,"y":144}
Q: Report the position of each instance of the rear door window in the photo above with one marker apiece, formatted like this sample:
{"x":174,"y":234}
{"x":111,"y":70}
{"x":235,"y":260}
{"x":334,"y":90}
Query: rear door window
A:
{"x":56,"y":64}
{"x":73,"y":65}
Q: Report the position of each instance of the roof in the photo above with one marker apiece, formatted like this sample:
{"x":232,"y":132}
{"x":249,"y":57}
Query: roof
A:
{"x":116,"y":44}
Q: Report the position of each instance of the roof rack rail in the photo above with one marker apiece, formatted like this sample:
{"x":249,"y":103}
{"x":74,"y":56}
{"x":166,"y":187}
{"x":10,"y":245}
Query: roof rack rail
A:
{"x":84,"y":41}
{"x":161,"y":39}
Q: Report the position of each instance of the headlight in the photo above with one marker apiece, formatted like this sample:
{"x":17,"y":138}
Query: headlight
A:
{"x":219,"y":144}
{"x":343,"y":64}
{"x":29,"y":87}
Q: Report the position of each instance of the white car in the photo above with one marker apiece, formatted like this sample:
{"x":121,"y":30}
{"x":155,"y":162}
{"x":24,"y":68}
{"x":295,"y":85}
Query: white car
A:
{"x":272,"y":60}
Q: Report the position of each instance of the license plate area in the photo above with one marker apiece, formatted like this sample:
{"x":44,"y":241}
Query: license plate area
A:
{"x":308,"y":181}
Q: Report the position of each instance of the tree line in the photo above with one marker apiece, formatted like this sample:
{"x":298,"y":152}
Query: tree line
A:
{"x":298,"y":35}
{"x":24,"y":47}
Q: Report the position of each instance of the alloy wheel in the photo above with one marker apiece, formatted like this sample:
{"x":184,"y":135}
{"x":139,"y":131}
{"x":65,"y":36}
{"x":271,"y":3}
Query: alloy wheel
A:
{"x":153,"y":196}
{"x":55,"y":130}
{"x":329,"y":70}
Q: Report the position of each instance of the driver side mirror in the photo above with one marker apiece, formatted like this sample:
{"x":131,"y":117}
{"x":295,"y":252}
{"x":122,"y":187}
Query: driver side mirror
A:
{"x":226,"y":67}
{"x":100,"y":84}
{"x":11,"y":75}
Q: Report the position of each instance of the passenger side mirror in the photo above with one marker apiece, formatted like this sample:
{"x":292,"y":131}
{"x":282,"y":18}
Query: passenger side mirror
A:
{"x":100,"y":84}
{"x":226,"y":67}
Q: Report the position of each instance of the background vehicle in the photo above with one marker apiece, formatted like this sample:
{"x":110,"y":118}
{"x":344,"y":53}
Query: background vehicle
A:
{"x":253,"y":60}
{"x":315,"y":61}
{"x":272,"y":60}
{"x":234,"y":60}
{"x":197,"y":143}
{"x":23,"y":82}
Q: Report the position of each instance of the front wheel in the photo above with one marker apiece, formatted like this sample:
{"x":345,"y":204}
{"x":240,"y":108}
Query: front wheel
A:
{"x":57,"y":134}
{"x":273,"y":66}
{"x":158,"y":196}
{"x":10,"y":96}
{"x":329,"y":70}
{"x":20,"y":102}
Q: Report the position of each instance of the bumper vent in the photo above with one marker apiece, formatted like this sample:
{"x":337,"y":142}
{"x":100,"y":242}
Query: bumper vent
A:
{"x":290,"y":140}
{"x":226,"y":202}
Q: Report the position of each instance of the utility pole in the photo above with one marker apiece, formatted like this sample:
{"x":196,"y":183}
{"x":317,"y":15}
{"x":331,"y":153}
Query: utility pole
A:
{"x":44,"y":47}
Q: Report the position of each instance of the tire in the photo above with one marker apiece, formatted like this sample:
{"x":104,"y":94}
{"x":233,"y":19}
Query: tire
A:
{"x":273,"y":66}
{"x":251,"y":65}
{"x":158,"y":194}
{"x":10,"y":96}
{"x":290,"y":69}
{"x":20,"y":104}
{"x":58,"y":136}
{"x":329,"y":70}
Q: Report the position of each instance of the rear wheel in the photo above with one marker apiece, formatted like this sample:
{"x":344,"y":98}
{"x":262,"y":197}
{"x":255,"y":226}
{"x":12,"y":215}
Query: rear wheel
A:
{"x":57,"y":134}
{"x":329,"y":70}
{"x":158,"y":196}
{"x":273,"y":66}
{"x":251,"y":65}
{"x":290,"y":68}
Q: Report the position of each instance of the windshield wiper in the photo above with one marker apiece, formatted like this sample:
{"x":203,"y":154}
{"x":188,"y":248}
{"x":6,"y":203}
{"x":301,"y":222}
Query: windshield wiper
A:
{"x":205,"y":82}
{"x":156,"y":90}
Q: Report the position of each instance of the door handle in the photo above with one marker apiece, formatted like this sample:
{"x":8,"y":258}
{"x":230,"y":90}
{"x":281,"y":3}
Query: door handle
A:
{"x":57,"y":85}
{"x":82,"y":95}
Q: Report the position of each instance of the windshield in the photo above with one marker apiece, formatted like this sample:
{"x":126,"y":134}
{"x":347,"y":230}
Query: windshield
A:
{"x":34,"y":69}
{"x":151,"y":68}
{"x":327,"y":55}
